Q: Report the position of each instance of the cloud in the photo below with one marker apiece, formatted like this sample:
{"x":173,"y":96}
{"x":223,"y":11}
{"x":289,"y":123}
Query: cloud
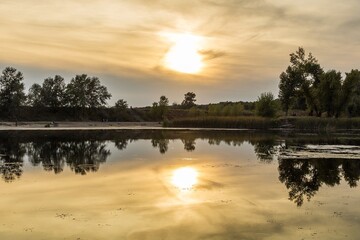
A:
{"x":211,"y":54}
{"x":246,"y":41}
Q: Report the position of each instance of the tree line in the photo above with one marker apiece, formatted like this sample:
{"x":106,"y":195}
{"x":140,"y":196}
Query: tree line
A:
{"x":305,"y":85}
{"x":83,"y":92}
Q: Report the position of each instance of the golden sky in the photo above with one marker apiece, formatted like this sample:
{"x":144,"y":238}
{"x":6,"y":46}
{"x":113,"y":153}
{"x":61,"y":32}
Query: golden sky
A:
{"x":241,"y":48}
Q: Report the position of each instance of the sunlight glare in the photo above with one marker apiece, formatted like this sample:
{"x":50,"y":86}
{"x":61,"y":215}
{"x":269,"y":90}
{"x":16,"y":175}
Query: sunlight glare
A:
{"x":184,"y":55}
{"x":184,"y":178}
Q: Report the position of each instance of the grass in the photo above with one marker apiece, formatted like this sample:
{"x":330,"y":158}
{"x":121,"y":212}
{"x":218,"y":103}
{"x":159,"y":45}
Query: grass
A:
{"x":224,"y":122}
{"x":297,"y":123}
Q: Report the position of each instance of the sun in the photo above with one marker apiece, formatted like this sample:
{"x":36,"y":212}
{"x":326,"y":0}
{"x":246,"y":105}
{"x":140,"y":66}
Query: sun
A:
{"x":184,"y":55}
{"x":184,"y":178}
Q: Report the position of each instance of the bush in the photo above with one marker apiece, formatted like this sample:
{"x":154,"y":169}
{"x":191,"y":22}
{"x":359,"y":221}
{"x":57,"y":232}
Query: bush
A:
{"x":266,"y":106}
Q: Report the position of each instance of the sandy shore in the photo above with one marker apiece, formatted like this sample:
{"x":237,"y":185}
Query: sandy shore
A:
{"x":77,"y":125}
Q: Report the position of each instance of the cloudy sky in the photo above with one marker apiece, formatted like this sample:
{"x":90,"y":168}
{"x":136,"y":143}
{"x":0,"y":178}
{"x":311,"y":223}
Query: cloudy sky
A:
{"x":139,"y":48}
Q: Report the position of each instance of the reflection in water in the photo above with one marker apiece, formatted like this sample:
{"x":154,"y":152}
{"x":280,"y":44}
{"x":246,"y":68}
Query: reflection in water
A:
{"x":304,"y":177}
{"x":233,"y":185}
{"x":11,"y":159}
{"x":184,"y":178}
{"x":84,"y":152}
{"x":162,"y":144}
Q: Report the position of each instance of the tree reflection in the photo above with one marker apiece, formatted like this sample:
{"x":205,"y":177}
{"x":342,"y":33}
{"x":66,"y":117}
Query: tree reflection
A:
{"x":189,"y":144}
{"x":121,"y":144}
{"x":162,"y":144}
{"x":50,"y":155}
{"x":11,"y":160}
{"x":86,"y":156}
{"x":304,"y":177}
{"x":265,"y":149}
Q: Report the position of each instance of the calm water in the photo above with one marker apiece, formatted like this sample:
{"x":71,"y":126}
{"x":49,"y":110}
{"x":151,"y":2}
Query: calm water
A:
{"x":147,"y":184}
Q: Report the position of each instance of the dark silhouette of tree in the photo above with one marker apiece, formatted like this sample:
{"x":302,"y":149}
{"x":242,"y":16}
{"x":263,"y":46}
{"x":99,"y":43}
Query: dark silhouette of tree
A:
{"x":352,"y":85}
{"x":86,"y":92}
{"x":159,"y":109}
{"x":329,"y":92}
{"x":265,"y":149}
{"x":121,"y":144}
{"x":53,"y":92}
{"x":162,"y":144}
{"x":347,"y":91}
{"x":300,"y":177}
{"x":12,"y":94}
{"x":189,"y":100}
{"x":51,"y":154}
{"x":11,"y":160}
{"x":300,"y":80}
{"x":304,"y":177}
{"x":351,"y":172}
{"x":121,"y":104}
{"x":34,"y":97}
{"x":265,"y":105}
{"x":189,"y":144}
{"x":86,"y":156}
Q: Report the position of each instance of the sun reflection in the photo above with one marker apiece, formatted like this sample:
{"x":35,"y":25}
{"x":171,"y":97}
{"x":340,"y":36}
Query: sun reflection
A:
{"x":185,"y":178}
{"x":184,"y":55}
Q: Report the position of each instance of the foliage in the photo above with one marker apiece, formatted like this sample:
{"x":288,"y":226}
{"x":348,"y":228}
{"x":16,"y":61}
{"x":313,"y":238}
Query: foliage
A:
{"x":265,"y":106}
{"x":121,"y":104}
{"x":352,"y":85}
{"x":159,"y":109}
{"x":12,"y":94}
{"x":34,"y":97}
{"x":189,"y":100}
{"x":225,"y":122}
{"x":53,"y":92}
{"x":225,"y":109}
{"x":329,"y":92}
{"x":86,"y":92}
{"x":300,"y":80}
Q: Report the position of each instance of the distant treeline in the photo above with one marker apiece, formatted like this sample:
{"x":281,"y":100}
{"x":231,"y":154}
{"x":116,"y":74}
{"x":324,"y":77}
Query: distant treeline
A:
{"x":83,"y":98}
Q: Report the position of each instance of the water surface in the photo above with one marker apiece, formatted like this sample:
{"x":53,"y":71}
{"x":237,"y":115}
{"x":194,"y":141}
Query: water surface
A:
{"x":162,"y":184}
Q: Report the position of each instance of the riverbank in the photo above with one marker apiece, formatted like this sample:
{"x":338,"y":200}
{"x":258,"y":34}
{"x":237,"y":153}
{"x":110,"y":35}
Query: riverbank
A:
{"x":307,"y":124}
{"x":283,"y":123}
{"x":43,"y":125}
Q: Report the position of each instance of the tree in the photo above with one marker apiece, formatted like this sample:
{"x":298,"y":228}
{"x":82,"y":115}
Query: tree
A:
{"x":12,"y":94}
{"x":189,"y":100}
{"x":329,"y":92}
{"x":288,"y":86}
{"x":160,"y":108}
{"x":265,"y":105}
{"x":86,"y":92}
{"x":121,"y":104}
{"x":351,"y":93}
{"x":34,"y":97}
{"x":164,"y":101}
{"x":53,"y":92}
{"x":300,"y":80}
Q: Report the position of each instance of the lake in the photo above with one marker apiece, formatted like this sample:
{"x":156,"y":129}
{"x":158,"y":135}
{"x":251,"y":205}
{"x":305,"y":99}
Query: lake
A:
{"x":178,"y":184}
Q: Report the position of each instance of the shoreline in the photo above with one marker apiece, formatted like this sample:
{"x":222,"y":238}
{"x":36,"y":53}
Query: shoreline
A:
{"x":87,"y":126}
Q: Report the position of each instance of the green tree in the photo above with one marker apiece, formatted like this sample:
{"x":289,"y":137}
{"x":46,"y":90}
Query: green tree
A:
{"x":86,"y":92}
{"x":189,"y":100}
{"x":159,"y":109}
{"x":329,"y":92}
{"x":265,"y":105}
{"x":351,"y":93}
{"x":121,"y":104}
{"x":34,"y":97}
{"x":301,"y":80}
{"x":12,"y":94}
{"x":53,"y":92}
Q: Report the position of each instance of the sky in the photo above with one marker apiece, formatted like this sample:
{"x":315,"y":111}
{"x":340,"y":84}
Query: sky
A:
{"x":231,"y":50}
